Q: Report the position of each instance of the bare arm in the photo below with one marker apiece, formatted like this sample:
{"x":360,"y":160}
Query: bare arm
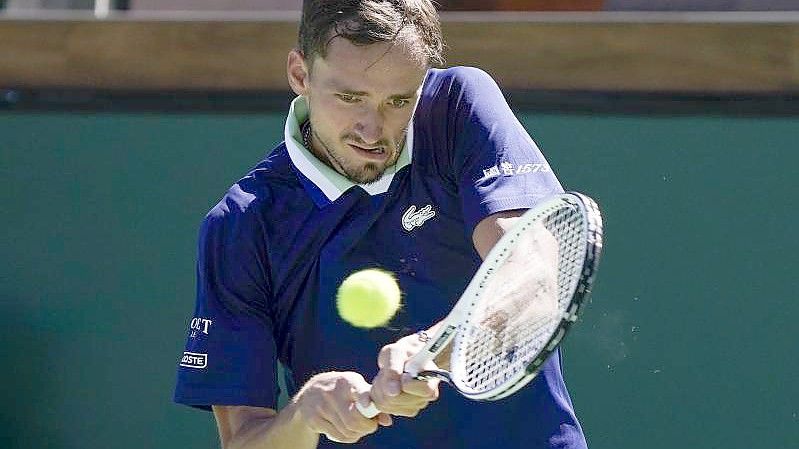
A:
{"x":488,"y":232}
{"x":324,"y":405}
{"x":257,"y":427}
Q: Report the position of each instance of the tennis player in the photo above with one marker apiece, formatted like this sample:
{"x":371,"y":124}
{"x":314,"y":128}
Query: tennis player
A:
{"x":386,"y":162}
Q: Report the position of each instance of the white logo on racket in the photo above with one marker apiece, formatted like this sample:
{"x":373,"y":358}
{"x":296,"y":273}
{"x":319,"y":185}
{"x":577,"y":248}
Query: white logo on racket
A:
{"x":413,"y":218}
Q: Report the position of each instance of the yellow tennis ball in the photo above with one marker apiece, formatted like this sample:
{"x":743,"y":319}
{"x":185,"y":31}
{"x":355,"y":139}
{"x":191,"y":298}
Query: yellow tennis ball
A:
{"x":368,"y":298}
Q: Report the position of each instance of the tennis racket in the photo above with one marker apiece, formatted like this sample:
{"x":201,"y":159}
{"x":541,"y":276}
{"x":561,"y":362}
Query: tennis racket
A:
{"x":519,"y":305}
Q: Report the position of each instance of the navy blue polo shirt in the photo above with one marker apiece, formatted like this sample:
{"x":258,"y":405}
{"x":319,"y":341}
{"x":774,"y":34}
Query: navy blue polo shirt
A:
{"x":273,"y":251}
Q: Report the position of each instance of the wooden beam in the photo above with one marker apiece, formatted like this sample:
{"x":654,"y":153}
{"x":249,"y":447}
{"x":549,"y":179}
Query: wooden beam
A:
{"x":587,"y":51}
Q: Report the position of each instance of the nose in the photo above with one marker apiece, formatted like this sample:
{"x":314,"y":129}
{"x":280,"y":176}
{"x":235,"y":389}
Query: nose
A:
{"x":369,"y":127}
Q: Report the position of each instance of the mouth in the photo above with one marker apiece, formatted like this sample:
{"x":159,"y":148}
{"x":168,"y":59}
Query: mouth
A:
{"x":374,"y":153}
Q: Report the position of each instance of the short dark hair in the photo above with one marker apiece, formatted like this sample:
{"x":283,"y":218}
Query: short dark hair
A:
{"x":365,"y":22}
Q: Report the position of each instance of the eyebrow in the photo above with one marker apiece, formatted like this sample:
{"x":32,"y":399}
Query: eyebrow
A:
{"x":359,"y":93}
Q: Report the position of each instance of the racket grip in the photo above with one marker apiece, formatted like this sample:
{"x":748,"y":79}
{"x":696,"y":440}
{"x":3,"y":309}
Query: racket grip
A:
{"x":369,"y":411}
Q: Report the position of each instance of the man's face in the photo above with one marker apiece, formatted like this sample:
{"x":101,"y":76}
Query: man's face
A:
{"x":361,"y":99}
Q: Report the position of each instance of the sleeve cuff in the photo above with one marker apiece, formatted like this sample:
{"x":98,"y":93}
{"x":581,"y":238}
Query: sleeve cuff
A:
{"x":495,"y":205}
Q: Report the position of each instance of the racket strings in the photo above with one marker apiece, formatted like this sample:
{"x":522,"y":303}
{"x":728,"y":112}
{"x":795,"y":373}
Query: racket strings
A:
{"x":525,"y":302}
{"x":568,"y":225}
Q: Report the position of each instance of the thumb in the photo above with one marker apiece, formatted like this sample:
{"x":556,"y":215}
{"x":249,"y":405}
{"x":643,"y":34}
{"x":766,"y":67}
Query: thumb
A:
{"x":363,"y":398}
{"x":358,"y":385}
{"x":368,"y":408}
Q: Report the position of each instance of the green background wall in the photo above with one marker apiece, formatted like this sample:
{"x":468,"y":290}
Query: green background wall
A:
{"x":689,"y":341}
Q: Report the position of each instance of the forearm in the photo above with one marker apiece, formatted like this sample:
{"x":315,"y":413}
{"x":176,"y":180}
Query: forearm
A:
{"x":285,"y":429}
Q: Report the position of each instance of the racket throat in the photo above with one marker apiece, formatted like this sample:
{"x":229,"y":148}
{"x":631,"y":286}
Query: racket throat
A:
{"x":443,"y":339}
{"x":434,"y":349}
{"x":435,"y":374}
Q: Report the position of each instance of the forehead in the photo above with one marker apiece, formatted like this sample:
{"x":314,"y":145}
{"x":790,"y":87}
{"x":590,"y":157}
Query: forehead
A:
{"x":379,"y":67}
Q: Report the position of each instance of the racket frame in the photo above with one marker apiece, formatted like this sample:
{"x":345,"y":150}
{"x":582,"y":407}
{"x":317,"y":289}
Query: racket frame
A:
{"x":469,"y":300}
{"x":582,"y":291}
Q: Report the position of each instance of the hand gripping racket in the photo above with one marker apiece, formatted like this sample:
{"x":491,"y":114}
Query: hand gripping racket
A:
{"x":521,"y":302}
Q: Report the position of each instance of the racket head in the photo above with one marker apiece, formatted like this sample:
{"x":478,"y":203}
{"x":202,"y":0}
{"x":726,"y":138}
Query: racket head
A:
{"x":511,"y":327}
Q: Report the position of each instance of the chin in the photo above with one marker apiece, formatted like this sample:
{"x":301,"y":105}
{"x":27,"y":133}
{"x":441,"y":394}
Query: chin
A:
{"x":367,"y":174}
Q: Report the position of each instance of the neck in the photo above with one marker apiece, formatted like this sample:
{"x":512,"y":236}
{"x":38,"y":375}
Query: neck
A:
{"x":307,"y":141}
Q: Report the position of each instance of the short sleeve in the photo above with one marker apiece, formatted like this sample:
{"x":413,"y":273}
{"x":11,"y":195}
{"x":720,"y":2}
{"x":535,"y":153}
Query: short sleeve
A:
{"x":230,"y":354}
{"x":497,"y":165}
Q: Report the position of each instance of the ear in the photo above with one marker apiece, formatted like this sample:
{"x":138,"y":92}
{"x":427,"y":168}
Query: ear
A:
{"x":297,"y":71}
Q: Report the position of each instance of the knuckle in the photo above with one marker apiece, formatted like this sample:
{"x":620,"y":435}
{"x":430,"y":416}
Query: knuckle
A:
{"x":377,"y":393}
{"x":379,"y":379}
{"x":385,"y":352}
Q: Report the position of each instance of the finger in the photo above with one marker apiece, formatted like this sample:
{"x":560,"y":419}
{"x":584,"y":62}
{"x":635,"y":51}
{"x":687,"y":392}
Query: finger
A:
{"x":335,"y":436}
{"x":361,"y":392}
{"x":332,"y":415}
{"x":366,"y":405}
{"x":423,"y":388}
{"x":410,"y":410}
{"x":382,"y":399}
{"x":385,"y":420}
{"x":355,"y":421}
{"x":343,"y":402}
{"x":359,"y":423}
{"x":391,"y":360}
{"x":324,"y":427}
{"x":385,"y":388}
{"x":403,"y":401}
{"x":404,"y":405}
{"x":339,"y":439}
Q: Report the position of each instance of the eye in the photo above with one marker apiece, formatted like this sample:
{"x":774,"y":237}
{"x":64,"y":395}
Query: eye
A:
{"x":347,"y":98}
{"x":399,"y":102}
